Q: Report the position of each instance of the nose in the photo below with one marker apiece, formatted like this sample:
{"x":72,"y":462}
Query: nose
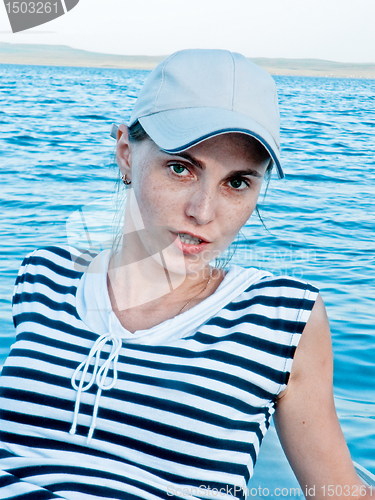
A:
{"x":202,"y":205}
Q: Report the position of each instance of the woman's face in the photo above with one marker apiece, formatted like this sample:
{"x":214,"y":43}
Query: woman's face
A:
{"x":192,"y":203}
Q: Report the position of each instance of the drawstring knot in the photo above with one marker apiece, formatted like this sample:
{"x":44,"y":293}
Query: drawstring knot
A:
{"x":98,"y":375}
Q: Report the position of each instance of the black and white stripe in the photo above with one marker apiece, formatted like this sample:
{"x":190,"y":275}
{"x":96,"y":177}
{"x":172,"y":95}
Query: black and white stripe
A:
{"x":187,"y":414}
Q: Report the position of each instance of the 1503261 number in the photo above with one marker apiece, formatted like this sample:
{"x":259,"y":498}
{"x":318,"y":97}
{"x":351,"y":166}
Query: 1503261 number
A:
{"x":345,"y":490}
{"x":32,"y":7}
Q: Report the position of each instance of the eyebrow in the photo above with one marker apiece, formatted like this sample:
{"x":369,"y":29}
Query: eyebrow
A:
{"x":187,"y":157}
{"x":251,"y":171}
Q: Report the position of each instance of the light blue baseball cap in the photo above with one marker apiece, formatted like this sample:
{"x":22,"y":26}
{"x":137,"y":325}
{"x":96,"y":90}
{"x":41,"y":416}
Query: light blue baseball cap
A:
{"x":196,"y":94}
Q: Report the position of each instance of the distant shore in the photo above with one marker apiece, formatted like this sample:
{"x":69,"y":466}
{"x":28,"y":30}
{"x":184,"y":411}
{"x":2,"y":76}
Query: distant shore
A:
{"x":61,"y":55}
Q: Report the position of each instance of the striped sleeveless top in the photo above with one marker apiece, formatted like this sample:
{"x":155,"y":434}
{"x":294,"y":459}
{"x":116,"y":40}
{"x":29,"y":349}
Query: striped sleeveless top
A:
{"x":89,"y":410}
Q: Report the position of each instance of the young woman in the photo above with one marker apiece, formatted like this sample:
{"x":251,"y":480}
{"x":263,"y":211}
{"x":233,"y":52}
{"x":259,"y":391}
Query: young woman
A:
{"x":144,"y":372}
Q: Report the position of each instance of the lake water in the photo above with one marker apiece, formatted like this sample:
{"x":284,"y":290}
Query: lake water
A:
{"x":57,"y":157}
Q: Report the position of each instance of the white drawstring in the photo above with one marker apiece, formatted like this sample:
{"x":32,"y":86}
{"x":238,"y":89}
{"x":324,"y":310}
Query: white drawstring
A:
{"x":98,"y":375}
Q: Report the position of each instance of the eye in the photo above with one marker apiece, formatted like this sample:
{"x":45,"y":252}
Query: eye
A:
{"x":239,"y":184}
{"x":178,"y":169}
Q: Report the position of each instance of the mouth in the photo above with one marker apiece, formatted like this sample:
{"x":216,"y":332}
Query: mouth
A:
{"x":190,"y":239}
{"x":190,"y":243}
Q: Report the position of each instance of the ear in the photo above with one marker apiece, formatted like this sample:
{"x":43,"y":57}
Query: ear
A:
{"x":123,"y":153}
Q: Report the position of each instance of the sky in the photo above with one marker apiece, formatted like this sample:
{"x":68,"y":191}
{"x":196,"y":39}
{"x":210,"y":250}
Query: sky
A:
{"x":336,"y":30}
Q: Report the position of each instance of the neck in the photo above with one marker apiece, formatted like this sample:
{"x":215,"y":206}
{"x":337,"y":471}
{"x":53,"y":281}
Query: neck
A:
{"x":134,"y":283}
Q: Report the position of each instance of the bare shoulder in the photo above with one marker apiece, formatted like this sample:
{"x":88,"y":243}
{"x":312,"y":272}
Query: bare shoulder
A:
{"x":313,"y":358}
{"x":318,"y":322}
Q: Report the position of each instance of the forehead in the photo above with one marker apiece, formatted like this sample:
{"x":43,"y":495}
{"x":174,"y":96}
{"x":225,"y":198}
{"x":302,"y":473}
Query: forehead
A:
{"x":231,"y":140}
{"x":237,"y":145}
{"x":229,"y":148}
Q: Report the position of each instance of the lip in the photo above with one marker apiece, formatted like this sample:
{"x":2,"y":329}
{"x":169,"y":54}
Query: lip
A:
{"x":193,"y":235}
{"x":187,"y":248}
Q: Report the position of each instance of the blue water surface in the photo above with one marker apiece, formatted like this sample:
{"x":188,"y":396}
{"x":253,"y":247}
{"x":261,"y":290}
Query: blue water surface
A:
{"x":57,"y":157}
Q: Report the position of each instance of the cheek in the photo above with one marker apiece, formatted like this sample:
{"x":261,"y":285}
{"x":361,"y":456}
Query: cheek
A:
{"x":158,"y":196}
{"x":237,"y":215}
{"x":155,"y":208}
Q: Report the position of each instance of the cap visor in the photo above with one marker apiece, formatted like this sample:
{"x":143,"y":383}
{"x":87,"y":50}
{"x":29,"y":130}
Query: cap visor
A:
{"x":179,"y":129}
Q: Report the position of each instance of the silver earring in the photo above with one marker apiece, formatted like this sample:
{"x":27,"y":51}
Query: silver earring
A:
{"x":126,"y":181}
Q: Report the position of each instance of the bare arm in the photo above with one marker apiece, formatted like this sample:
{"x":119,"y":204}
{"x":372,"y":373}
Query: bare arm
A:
{"x":307,"y":423}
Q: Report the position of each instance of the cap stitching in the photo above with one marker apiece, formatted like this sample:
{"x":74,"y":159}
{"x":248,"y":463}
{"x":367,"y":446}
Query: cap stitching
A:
{"x":162,"y":80}
{"x":234,"y":79}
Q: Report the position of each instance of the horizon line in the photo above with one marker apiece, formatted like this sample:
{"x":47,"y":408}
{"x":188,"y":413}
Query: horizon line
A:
{"x":110,"y":54}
